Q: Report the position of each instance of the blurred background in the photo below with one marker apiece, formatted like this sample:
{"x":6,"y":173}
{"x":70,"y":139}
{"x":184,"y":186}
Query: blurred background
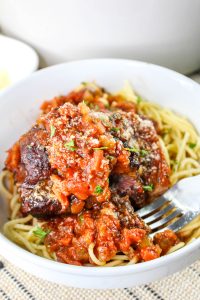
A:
{"x":165,"y":32}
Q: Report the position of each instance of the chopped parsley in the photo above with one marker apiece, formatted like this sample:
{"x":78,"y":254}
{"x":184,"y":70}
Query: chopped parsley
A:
{"x":91,"y":105}
{"x":107,"y":105}
{"x":104,"y":120}
{"x":144,"y":152}
{"x":100,"y":148}
{"x":70,"y":145}
{"x":192,"y":145}
{"x":85,"y":102}
{"x":94,"y":106}
{"x":98,"y":190}
{"x":115,"y":129}
{"x":148,"y":188}
{"x":53,"y":130}
{"x":81,"y":218}
{"x":132,"y":150}
{"x":109,"y":157}
{"x":139,"y":99}
{"x":39,"y":232}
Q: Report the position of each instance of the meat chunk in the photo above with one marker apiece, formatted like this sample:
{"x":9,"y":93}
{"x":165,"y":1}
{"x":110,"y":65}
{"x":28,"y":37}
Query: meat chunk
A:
{"x":128,"y":218}
{"x":34,"y":157}
{"x":131,"y":186}
{"x":148,"y":166}
{"x":39,"y":200}
{"x":28,"y":158}
{"x":154,"y":169}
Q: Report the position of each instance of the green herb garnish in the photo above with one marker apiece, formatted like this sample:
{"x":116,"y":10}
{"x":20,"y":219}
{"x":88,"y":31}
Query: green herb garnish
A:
{"x":132,"y":150}
{"x":53,"y":130}
{"x":107,"y":105}
{"x":148,"y":188}
{"x":85,"y":102}
{"x":81,"y":219}
{"x":39,"y":232}
{"x":98,"y":190}
{"x":103,"y":118}
{"x":115,"y":129}
{"x":144,"y":152}
{"x":192,"y":145}
{"x":70,"y":145}
{"x":100,"y":148}
{"x":94,"y":106}
{"x":109,"y":157}
{"x":139,"y":99}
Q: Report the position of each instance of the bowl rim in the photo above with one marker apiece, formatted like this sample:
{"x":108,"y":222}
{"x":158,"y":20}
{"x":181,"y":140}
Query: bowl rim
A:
{"x":11,"y":247}
{"x":174,"y":74}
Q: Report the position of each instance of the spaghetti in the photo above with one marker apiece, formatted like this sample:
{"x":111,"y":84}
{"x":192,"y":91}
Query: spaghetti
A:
{"x":181,"y":145}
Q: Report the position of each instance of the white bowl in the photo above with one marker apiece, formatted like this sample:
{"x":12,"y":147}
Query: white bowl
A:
{"x":19,"y":106}
{"x":161,"y":32}
{"x":17,"y":59}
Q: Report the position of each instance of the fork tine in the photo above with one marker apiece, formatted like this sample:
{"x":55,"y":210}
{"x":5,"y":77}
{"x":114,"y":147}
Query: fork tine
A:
{"x":163,"y":221}
{"x":185,"y":219}
{"x":151,"y":207}
{"x":159,"y":214}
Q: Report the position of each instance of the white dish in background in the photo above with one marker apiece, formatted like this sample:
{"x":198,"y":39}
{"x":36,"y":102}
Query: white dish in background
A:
{"x":155,"y":83}
{"x":17,"y":60}
{"x":165,"y":32}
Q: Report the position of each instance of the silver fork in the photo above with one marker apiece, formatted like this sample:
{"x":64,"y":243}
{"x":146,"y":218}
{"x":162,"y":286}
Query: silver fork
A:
{"x":181,"y":203}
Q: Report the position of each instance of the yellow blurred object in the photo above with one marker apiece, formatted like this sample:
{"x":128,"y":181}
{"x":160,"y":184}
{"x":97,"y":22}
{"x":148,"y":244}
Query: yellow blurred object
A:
{"x":4,"y":79}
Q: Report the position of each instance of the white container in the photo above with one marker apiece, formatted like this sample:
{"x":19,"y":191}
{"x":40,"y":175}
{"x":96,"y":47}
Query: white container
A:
{"x":165,"y":32}
{"x":19,"y":107}
{"x":17,"y":59}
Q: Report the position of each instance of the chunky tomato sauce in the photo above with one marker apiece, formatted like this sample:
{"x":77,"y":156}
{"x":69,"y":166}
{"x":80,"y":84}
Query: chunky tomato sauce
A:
{"x":71,"y":237}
